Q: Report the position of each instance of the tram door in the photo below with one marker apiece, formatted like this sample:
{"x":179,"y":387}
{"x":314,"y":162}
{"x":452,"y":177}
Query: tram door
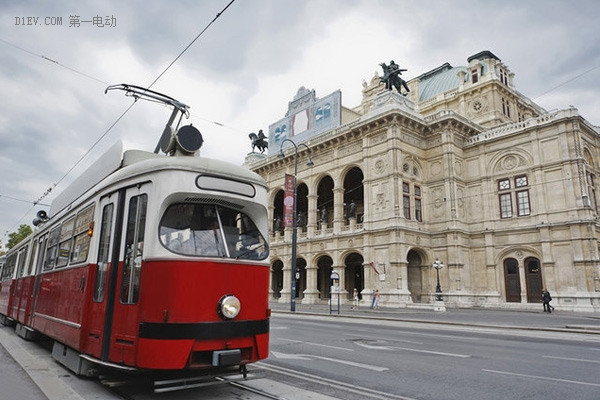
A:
{"x":126,"y":306}
{"x":98,"y":304}
{"x":113,"y":313}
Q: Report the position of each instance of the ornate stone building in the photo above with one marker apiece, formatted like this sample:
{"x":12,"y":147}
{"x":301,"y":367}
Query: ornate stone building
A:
{"x":463,"y":169}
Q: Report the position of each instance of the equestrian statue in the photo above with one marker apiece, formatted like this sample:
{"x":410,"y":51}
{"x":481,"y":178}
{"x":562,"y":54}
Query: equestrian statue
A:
{"x":258,"y":141}
{"x":391,"y":77}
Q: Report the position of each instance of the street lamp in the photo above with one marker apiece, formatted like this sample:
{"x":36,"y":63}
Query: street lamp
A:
{"x":294,"y":225}
{"x":437,"y":264}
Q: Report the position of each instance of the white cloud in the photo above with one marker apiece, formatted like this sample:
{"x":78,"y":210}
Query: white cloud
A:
{"x":243,"y":71}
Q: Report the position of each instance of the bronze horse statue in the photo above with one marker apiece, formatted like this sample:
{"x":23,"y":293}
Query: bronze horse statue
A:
{"x":259,"y":141}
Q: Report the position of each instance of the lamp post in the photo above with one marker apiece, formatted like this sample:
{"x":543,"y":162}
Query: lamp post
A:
{"x":294,"y":225}
{"x":437,"y":264}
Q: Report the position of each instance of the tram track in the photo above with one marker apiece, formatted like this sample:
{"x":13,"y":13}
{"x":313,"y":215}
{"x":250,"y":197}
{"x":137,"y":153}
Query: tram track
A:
{"x":142,"y":388}
{"x":351,"y":391}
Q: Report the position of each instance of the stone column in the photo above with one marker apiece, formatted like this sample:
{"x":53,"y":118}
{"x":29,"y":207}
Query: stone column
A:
{"x":311,"y":294}
{"x":404,"y":297}
{"x":287,"y":283}
{"x":311,"y":225}
{"x":338,"y":209}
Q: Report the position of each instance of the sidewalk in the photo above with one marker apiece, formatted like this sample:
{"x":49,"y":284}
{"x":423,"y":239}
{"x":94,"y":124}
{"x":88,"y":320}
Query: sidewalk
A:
{"x":532,"y":320}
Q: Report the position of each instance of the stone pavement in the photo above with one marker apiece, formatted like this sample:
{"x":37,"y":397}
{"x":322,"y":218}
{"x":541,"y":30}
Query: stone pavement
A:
{"x":533,"y":320}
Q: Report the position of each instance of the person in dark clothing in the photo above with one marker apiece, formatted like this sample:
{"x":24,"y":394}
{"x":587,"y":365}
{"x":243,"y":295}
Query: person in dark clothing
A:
{"x":546,"y":299}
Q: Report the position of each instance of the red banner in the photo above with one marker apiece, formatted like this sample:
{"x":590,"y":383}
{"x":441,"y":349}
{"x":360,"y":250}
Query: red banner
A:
{"x":288,"y":201}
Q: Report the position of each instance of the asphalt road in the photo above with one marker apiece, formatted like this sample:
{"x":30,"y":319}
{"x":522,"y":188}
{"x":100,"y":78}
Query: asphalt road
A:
{"x":361,"y":359}
{"x":461,"y":354}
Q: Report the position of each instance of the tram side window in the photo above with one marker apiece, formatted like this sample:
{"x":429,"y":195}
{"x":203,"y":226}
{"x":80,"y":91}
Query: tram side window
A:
{"x":134,"y":245}
{"x":9,"y":267}
{"x":21,"y":263}
{"x":64,"y":247}
{"x":103,"y":253}
{"x":52,"y":251}
{"x":40,"y":257}
{"x":31,"y":259}
{"x":81,"y":240}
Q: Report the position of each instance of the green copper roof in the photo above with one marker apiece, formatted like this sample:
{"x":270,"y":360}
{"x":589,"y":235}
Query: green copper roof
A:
{"x":440,"y":80}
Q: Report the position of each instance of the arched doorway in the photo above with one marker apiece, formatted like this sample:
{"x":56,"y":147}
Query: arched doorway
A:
{"x":278,"y":211}
{"x":512,"y":281}
{"x":354,"y":271}
{"x":533,"y":280}
{"x":302,"y":206}
{"x":324,"y":267}
{"x":277,"y":278}
{"x":325,"y":202}
{"x":354,"y":194}
{"x":415,"y":277}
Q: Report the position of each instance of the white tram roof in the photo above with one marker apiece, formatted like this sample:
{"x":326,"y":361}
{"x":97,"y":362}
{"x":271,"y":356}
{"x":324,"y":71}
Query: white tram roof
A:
{"x":114,"y":159}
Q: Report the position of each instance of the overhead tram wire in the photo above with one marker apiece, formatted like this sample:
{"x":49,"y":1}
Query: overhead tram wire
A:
{"x":53,"y":61}
{"x":124,"y":112}
{"x":191,"y":43}
{"x":565,"y":82}
{"x":24,"y":201}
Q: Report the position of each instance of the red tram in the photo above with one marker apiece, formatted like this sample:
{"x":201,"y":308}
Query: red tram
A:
{"x":148,"y":262}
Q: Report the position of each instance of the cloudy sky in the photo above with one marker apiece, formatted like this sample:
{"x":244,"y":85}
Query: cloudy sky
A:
{"x":241,"y":73}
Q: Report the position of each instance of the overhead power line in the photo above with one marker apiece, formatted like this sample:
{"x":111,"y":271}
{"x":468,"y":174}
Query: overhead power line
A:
{"x":565,"y":82}
{"x":98,"y":80}
{"x":53,"y":61}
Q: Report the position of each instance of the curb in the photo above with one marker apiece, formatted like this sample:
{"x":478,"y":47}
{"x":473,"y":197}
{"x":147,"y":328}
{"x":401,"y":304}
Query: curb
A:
{"x":590,"y":330}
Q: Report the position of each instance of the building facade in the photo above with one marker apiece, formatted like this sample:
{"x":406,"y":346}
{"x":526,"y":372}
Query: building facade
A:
{"x":462,"y":169}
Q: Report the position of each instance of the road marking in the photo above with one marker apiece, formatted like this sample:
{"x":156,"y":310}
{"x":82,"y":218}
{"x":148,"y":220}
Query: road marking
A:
{"x":439,"y":353}
{"x":573,"y":359}
{"x":541,"y":377}
{"x":315,"y":344}
{"x":285,"y":356}
{"x":388,"y":339}
{"x":363,"y":391}
{"x":310,"y":356}
{"x":329,"y":347}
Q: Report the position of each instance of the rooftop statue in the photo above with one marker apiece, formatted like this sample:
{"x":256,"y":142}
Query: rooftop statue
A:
{"x":391,"y":77}
{"x":259,"y":141}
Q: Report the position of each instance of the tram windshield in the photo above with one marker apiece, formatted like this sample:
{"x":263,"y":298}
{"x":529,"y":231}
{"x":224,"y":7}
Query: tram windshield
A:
{"x":208,"y":230}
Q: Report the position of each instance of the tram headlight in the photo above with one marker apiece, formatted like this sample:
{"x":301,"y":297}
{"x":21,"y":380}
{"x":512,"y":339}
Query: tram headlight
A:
{"x":229,"y":306}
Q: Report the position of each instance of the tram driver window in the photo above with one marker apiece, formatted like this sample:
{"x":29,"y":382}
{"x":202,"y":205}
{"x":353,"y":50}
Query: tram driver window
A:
{"x":206,"y":230}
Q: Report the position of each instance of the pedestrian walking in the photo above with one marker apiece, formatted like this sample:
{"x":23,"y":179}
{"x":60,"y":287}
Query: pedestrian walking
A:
{"x":376,"y":302}
{"x":546,"y":299}
{"x":355,"y":299}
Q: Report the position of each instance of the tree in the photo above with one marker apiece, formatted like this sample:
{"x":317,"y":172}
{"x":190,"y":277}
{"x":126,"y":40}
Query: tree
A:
{"x":15,"y":237}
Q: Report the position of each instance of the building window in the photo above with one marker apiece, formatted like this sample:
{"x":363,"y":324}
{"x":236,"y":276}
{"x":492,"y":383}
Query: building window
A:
{"x":592,"y":192}
{"x":474,"y":76}
{"x":521,"y":181}
{"x":406,"y":199}
{"x":505,"y":107}
{"x":418,"y":212}
{"x":504,"y":77}
{"x":521,"y":193}
{"x":523,"y":203}
{"x":406,"y":202}
{"x":505,"y":206}
{"x":418,"y":208}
